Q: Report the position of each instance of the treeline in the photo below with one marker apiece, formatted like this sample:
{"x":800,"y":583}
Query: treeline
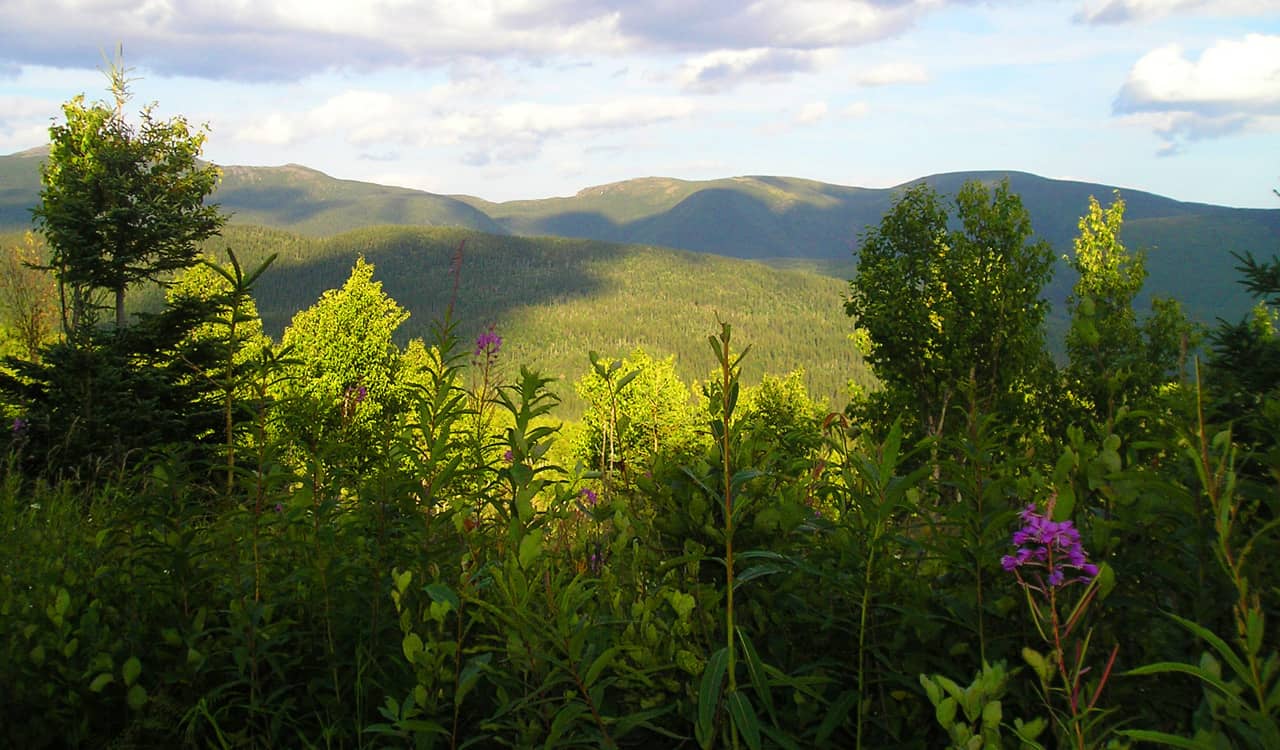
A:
{"x":210,"y":538}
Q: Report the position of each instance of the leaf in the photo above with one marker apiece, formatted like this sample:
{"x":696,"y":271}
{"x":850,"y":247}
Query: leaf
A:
{"x":1106,"y":580}
{"x":62,"y":603}
{"x":412,"y":646}
{"x":756,"y":670}
{"x":598,"y":666}
{"x":945,"y":713}
{"x":754,"y":572}
{"x":1163,"y":738}
{"x":1176,"y":666}
{"x":709,"y":695}
{"x":131,"y":669}
{"x":744,"y":718}
{"x":530,"y":548}
{"x":442,"y":593}
{"x":402,"y":580}
{"x":1253,"y":631}
{"x":470,"y":674}
{"x":837,"y":712}
{"x":1219,"y":645}
{"x":100,"y":682}
{"x":137,"y":697}
{"x":563,"y":720}
{"x":1038,"y":663}
{"x":992,"y":714}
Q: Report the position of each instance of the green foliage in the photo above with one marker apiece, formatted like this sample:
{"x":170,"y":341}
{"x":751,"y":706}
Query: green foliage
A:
{"x":553,"y":299}
{"x":973,"y":715}
{"x":637,"y":408}
{"x":121,"y":204}
{"x":1115,"y":360}
{"x":346,"y":376}
{"x":28,"y":306}
{"x":950,"y":310}
{"x":414,"y":565}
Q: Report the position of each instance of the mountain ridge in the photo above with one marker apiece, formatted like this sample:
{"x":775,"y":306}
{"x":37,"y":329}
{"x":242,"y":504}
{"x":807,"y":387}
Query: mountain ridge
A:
{"x":756,"y":217}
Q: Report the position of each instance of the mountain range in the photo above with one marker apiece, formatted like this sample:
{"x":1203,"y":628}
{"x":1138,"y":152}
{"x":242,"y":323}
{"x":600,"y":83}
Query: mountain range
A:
{"x":794,"y":226}
{"x":1188,"y":245}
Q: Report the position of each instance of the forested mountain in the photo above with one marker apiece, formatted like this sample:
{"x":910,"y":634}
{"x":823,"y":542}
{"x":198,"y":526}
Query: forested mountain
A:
{"x":1188,"y":244}
{"x":554,"y":299}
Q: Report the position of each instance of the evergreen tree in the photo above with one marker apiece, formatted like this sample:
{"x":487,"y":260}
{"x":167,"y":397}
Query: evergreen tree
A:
{"x":120,"y":203}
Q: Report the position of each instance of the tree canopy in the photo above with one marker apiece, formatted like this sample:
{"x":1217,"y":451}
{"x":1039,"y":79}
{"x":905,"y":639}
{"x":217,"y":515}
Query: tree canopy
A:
{"x":121,"y":202}
{"x":950,"y":307}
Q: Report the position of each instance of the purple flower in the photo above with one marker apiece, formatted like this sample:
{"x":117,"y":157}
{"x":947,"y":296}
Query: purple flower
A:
{"x":1051,"y":546}
{"x":488,"y":344}
{"x":19,"y":426}
{"x":507,"y":456}
{"x":589,"y":496}
{"x":279,"y":507}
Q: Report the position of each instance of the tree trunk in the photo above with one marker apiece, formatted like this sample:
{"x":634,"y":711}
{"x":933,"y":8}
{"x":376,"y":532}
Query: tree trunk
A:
{"x":120,"y":308}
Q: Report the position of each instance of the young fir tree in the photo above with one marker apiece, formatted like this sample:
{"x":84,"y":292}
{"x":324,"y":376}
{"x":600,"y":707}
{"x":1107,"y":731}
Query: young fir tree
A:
{"x":121,"y":203}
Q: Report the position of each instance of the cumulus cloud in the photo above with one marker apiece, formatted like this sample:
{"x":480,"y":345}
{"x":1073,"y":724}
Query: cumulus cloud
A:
{"x":515,"y":131}
{"x":1126,"y":11}
{"x":290,"y":39}
{"x":1233,"y":86}
{"x":888,"y":74}
{"x":24,"y":120}
{"x":726,"y":69}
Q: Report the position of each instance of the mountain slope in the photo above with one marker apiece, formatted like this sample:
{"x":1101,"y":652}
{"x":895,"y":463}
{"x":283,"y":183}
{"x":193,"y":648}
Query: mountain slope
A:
{"x":310,"y":202}
{"x":745,"y":217}
{"x":291,"y":197}
{"x":553,"y":299}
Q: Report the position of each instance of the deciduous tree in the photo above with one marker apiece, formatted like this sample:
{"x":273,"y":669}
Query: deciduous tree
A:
{"x":950,"y":309}
{"x":1114,"y":359}
{"x":27,"y":297}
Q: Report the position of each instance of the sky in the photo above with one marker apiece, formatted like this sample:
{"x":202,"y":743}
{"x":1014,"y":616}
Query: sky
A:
{"x":513,"y":99}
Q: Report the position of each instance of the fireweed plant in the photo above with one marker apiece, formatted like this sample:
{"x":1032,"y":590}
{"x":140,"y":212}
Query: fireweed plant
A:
{"x":1049,"y":562}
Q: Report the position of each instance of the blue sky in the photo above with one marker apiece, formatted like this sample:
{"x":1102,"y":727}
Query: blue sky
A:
{"x":508,"y":99}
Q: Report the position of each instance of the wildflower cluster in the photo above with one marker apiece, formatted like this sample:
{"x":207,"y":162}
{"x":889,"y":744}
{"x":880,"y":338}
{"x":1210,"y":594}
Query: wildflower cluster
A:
{"x":488,"y":344}
{"x":1052,"y":546}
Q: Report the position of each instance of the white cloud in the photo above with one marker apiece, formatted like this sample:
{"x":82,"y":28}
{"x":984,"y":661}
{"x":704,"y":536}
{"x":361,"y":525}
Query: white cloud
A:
{"x":515,"y":131}
{"x":726,"y":69}
{"x":1230,"y":76}
{"x":888,"y":74}
{"x":24,"y":121}
{"x":1125,"y":11}
{"x":292,"y":39}
{"x":855,"y":110}
{"x":811,"y":113}
{"x":1233,"y":86}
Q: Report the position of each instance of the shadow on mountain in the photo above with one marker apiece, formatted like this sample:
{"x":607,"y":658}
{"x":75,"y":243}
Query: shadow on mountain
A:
{"x":498,"y":273}
{"x":286,"y":205}
{"x":580,"y":224}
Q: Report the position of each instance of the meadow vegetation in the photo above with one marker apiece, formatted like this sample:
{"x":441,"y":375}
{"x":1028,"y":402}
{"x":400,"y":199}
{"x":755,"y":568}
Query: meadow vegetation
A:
{"x":352,"y":539}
